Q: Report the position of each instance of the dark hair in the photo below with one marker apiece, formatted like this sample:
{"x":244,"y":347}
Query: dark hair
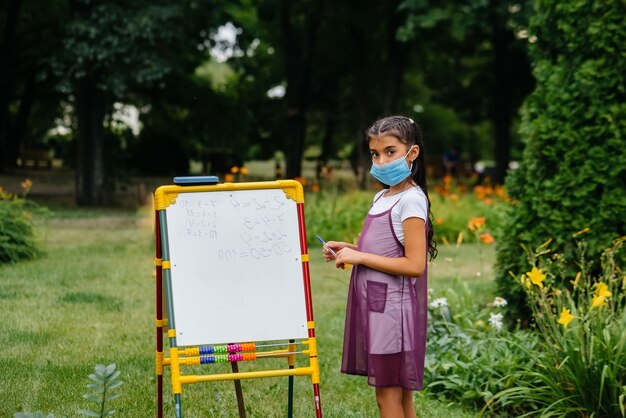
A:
{"x":409,"y":132}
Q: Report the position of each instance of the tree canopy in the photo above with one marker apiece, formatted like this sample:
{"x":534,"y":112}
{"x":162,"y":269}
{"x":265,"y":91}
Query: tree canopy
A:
{"x":294,"y":75}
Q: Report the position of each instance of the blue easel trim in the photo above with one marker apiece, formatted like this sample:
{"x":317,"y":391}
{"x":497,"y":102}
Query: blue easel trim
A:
{"x":194,"y":180}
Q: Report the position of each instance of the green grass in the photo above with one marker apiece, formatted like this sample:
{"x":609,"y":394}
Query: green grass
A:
{"x":90,"y":299}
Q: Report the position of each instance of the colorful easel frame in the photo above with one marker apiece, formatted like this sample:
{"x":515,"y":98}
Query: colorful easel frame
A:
{"x":164,"y":195}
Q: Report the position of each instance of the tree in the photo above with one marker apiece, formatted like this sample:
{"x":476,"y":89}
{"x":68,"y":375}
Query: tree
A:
{"x":110,"y":50}
{"x":28,"y":37}
{"x":573,"y":172}
{"x":475,"y":63}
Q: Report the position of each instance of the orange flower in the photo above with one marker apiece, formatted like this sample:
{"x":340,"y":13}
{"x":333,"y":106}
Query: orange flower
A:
{"x":244,"y":171}
{"x":315,"y":188}
{"x":487,"y":238}
{"x":438,"y":220}
{"x":301,"y":180}
{"x":479,"y":191}
{"x":26,"y":184}
{"x":229,"y":178}
{"x":476,"y":223}
{"x":454,"y":197}
{"x":234,"y":169}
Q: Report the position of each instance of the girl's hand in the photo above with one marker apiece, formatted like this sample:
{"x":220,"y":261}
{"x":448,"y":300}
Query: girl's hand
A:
{"x":335,"y":246}
{"x":348,"y":255}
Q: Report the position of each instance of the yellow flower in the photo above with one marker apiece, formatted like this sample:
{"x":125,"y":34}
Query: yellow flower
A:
{"x":536,"y":276}
{"x":234,"y":169}
{"x":602,"y":290}
{"x":565,"y":318}
{"x":598,"y":301}
{"x":244,"y":171}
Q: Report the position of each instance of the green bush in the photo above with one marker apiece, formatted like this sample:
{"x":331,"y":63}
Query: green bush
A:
{"x":470,"y":354}
{"x":17,"y":233}
{"x":573,"y":170}
{"x":582,"y":335}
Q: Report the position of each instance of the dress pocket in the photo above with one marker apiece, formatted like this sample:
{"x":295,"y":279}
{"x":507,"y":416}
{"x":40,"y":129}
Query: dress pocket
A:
{"x":376,"y":296}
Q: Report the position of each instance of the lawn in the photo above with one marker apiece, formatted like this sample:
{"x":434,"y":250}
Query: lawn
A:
{"x":90,"y":299}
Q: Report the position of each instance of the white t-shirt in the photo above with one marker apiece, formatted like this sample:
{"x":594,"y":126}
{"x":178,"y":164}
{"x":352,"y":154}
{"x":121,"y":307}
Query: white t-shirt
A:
{"x":412,"y":204}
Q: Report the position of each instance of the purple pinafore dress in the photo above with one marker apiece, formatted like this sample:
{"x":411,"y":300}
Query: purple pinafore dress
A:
{"x":385,"y":330}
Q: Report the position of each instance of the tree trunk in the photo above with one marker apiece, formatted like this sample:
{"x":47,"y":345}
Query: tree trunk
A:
{"x":502,"y":105}
{"x":360,"y":158}
{"x":18,"y":133}
{"x":397,"y":55}
{"x":89,"y":158}
{"x":298,"y":62}
{"x":8,"y":147}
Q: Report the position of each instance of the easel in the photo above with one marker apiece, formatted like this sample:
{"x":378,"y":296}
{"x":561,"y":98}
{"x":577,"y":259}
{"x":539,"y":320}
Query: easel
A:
{"x":232,"y":353}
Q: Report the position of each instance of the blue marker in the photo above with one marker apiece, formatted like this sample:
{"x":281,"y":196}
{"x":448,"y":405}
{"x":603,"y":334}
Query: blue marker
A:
{"x":326,"y":245}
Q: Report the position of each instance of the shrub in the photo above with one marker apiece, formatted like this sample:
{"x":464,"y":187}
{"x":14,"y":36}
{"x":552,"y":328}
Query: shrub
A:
{"x":573,"y":171}
{"x":17,"y":233}
{"x":470,"y":355}
{"x":581,"y":329}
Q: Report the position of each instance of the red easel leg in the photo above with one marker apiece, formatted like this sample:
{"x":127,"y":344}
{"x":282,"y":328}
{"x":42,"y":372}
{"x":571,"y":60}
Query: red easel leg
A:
{"x":318,"y":403}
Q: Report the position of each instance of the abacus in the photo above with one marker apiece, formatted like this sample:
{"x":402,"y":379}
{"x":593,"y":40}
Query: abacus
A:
{"x":204,"y":207}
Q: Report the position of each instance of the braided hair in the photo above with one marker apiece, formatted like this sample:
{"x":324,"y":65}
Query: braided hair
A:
{"x":408,"y":132}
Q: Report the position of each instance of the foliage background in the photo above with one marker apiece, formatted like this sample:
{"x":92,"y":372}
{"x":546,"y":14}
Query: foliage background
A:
{"x":573,"y":171}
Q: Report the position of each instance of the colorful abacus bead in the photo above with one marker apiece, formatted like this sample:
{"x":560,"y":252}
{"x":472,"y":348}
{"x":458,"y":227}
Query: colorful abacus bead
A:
{"x":248,"y":346}
{"x":207,"y":359}
{"x":235,"y":357}
{"x":249,"y":356}
{"x":208,"y":349}
{"x":193,"y":351}
{"x":233,"y":348}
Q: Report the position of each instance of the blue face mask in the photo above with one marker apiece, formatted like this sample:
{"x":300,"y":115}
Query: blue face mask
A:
{"x":393,"y":172}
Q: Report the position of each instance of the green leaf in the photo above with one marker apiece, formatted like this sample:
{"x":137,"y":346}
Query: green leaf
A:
{"x":88,"y":413}
{"x":92,"y":397}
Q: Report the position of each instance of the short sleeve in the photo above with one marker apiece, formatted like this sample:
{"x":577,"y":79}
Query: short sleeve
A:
{"x":413,"y":205}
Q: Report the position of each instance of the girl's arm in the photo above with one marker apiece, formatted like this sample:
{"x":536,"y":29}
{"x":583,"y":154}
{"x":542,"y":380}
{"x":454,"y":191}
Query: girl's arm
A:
{"x":412,"y":264}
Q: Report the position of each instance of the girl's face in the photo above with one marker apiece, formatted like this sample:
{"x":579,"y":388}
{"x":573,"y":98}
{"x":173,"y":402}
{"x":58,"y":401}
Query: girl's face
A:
{"x":386,"y":148}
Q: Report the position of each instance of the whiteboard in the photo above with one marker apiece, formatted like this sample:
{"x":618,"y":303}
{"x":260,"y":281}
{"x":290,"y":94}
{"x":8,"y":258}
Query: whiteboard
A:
{"x":236,"y":267}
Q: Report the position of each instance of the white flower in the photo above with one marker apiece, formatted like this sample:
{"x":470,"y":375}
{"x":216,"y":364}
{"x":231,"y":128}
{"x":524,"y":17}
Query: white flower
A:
{"x":430,"y":291}
{"x":495,"y":320}
{"x":439,"y":303}
{"x":499,"y":302}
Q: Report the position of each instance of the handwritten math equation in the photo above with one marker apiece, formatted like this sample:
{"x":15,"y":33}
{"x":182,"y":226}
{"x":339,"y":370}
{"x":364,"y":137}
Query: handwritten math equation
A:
{"x":238,"y":227}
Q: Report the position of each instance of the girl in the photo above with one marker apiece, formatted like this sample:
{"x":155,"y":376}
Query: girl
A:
{"x":385,"y":329}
